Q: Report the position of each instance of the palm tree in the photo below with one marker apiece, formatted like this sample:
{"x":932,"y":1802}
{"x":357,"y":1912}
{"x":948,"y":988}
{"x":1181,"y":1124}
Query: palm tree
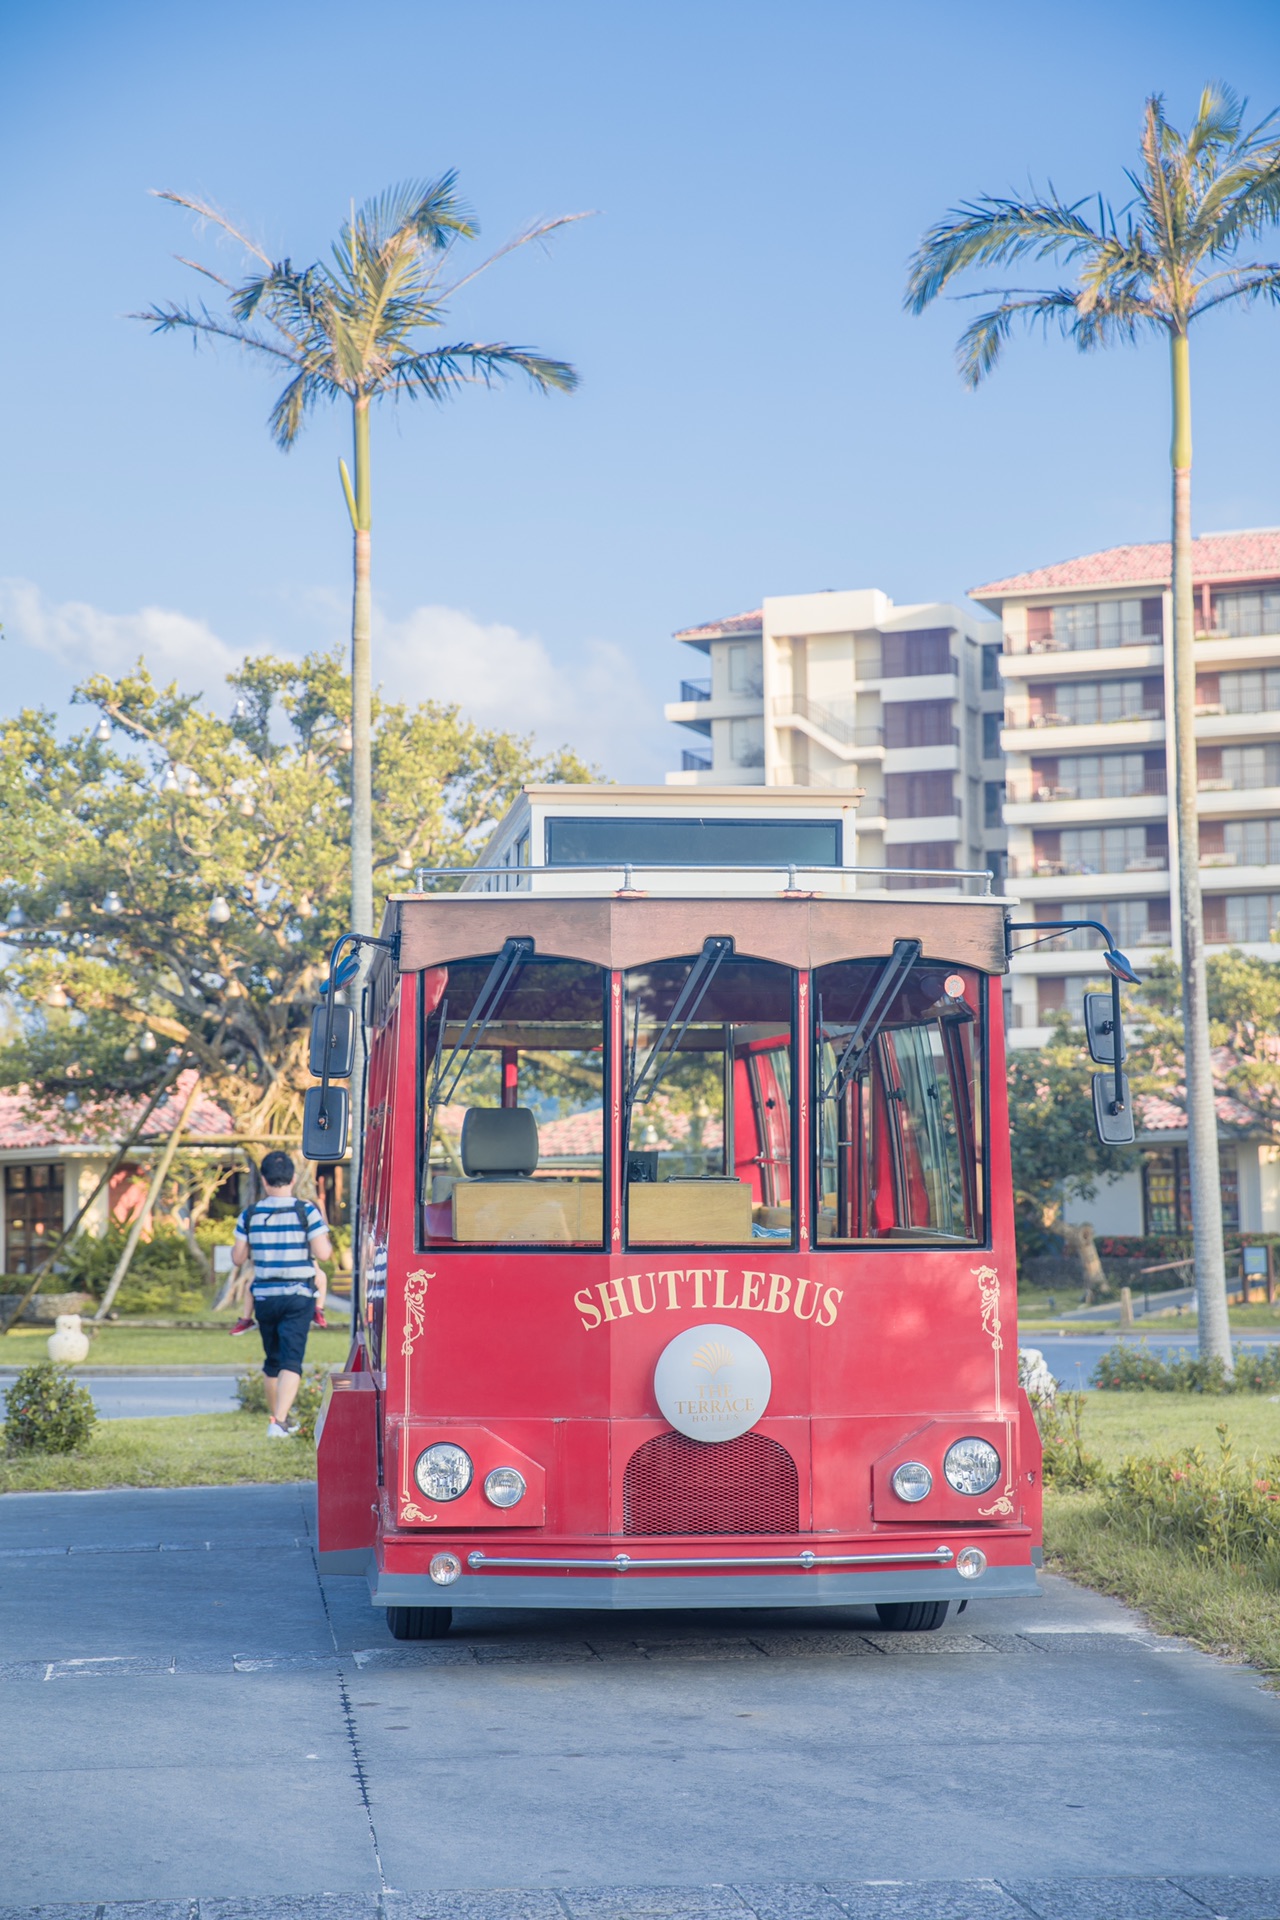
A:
{"x":354,"y":328}
{"x":1170,"y":255}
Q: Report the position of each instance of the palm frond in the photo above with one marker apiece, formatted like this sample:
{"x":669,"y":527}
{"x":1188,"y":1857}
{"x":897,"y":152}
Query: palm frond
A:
{"x":204,"y":210}
{"x":172,"y":319}
{"x":980,"y":344}
{"x":434,"y":374}
{"x":1247,"y":283}
{"x":992,"y":231}
{"x":537,"y":230}
{"x":1219,"y":118}
{"x":430,"y":209}
{"x":289,"y":413}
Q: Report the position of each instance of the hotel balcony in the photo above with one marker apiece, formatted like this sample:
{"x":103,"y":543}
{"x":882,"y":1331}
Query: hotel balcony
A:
{"x":1048,"y":662}
{"x":828,"y":726}
{"x":1052,"y":735}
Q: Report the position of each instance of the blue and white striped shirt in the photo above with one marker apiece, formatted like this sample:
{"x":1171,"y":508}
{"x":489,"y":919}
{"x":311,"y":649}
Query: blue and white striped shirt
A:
{"x":282,"y":1258}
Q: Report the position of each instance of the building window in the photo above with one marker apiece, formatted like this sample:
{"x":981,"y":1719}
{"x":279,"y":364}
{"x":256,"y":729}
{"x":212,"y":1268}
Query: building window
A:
{"x":1107,"y":849}
{"x":1091,"y":624}
{"x":920,"y":856}
{"x":1098,"y":776}
{"x":991,"y":669}
{"x":1241,"y":919}
{"x":1255,"y":690}
{"x":919,"y":723}
{"x":1134,"y":923}
{"x":1092,"y":703}
{"x":908,"y":654}
{"x":33,"y":1214}
{"x":912,"y":796}
{"x":1248,"y":613}
{"x":1245,"y":843}
{"x":746,"y":672}
{"x":1166,"y":1190}
{"x":993,"y":803}
{"x":991,"y":724}
{"x":746,"y":743}
{"x":1238,"y":769}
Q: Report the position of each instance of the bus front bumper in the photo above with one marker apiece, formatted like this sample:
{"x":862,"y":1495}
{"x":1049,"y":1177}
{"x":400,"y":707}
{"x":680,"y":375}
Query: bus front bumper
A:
{"x":494,"y":1578}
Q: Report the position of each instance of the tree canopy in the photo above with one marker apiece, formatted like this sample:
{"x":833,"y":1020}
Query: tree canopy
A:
{"x":174,"y":880}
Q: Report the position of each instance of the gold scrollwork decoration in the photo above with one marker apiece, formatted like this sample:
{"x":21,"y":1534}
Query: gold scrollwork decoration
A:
{"x":408,"y":1511}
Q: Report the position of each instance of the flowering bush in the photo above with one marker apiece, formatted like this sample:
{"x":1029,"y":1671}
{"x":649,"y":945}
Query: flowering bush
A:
{"x":47,"y":1411}
{"x":1227,"y":1510}
{"x":1067,"y":1461}
{"x":1129,"y":1369}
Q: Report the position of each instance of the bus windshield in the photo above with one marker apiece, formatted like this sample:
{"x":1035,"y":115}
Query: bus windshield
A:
{"x":900,"y":1114}
{"x":513,"y":1100}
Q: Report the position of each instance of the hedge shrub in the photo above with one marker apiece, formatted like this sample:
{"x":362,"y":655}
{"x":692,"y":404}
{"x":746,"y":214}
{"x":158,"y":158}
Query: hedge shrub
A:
{"x":47,"y":1411}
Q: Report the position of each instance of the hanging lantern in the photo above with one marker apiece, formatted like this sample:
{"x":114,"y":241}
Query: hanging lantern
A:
{"x":15,"y":917}
{"x":57,"y":996}
{"x":111,"y":901}
{"x":219,"y":911}
{"x":72,"y":1103}
{"x":404,"y":860}
{"x":191,"y":786}
{"x":247,"y":807}
{"x":346,"y":739}
{"x":172,"y":1058}
{"x":131,"y":1053}
{"x":148,"y":1042}
{"x":240,"y":711}
{"x":169,"y":778}
{"x":103,"y":730}
{"x":63,"y":910}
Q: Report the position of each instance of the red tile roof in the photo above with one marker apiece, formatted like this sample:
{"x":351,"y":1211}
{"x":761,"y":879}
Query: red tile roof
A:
{"x":1215,"y":557}
{"x":725,"y":629}
{"x":27,"y":1122}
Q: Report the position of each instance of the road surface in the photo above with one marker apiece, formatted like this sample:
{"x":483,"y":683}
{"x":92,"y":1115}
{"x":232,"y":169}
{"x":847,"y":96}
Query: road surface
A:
{"x":191,"y":1719}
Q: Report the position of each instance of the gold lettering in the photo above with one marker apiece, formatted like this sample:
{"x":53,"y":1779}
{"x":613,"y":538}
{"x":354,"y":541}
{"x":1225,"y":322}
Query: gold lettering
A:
{"x":698,"y":1275}
{"x":748,"y":1302}
{"x":619,"y":1300}
{"x":586,"y":1305}
{"x":722,"y":1274}
{"x":674,"y":1274}
{"x":635,"y":1279}
{"x":779,"y":1293}
{"x":830,"y":1302}
{"x":817,"y":1292}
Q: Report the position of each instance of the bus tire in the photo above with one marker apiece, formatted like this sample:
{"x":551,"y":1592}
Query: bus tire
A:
{"x":418,"y":1623}
{"x":912,"y":1616}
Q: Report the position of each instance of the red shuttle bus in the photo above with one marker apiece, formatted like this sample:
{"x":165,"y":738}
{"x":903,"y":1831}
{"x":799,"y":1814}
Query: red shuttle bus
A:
{"x":685,"y":1245}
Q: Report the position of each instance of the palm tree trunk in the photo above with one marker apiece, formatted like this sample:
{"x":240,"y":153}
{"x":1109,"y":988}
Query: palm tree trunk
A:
{"x":1202,"y":1119}
{"x":361,"y":690}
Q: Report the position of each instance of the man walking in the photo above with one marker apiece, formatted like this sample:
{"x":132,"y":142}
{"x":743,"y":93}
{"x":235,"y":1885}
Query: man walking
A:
{"x":284,"y":1237}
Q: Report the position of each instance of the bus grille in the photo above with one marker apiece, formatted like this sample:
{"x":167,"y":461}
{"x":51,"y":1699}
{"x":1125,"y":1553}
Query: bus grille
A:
{"x":676,"y":1485}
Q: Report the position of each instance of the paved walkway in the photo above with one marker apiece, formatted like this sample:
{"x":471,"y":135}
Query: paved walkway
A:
{"x":193,"y":1724}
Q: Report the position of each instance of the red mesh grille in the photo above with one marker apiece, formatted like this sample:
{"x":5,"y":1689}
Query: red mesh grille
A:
{"x":676,"y":1485}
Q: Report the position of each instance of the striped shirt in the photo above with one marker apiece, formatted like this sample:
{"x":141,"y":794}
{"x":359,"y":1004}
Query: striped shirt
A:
{"x":282,"y":1258}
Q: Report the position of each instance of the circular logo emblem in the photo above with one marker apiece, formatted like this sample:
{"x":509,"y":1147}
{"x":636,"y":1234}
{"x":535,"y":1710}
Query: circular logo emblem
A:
{"x":712,"y":1383}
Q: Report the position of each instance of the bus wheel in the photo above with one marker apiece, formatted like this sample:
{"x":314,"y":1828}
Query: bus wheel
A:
{"x":419,"y":1623}
{"x":908,"y":1616}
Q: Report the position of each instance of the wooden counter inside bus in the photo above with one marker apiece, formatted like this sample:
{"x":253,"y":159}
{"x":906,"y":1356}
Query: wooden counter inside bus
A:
{"x":689,"y":1212}
{"x":529,"y":1210}
{"x":622,"y":931}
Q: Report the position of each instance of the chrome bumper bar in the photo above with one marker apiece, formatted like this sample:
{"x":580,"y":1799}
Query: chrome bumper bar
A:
{"x":624,"y":1563}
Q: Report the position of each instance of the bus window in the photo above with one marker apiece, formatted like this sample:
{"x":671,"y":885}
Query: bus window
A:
{"x":707,"y":1073}
{"x":513,"y":1098}
{"x":899,"y":1105}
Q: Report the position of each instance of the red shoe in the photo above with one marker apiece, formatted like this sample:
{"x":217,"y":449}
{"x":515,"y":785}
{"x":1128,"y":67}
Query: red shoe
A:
{"x":242,"y":1326}
{"x":319,"y":1319}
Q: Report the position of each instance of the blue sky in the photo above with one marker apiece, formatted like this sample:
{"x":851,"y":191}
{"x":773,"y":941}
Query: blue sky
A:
{"x":757,"y":413}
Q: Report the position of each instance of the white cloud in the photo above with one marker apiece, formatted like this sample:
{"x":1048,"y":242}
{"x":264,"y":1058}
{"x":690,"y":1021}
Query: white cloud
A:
{"x":590,"y":698}
{"x":83,"y":639}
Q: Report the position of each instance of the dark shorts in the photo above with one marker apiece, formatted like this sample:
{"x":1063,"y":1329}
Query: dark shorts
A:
{"x":284,"y":1321}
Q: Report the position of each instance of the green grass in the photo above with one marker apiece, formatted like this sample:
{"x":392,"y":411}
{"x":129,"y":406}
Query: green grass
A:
{"x":1231,"y":1611}
{"x":120,"y":1345}
{"x":201,"y":1450}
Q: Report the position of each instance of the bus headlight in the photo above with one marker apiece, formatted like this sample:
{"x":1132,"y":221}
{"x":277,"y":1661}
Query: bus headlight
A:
{"x":443,"y":1471}
{"x":972,"y":1466}
{"x":912,"y":1480}
{"x":504,"y":1487}
{"x":444,"y":1568}
{"x":971,"y":1562}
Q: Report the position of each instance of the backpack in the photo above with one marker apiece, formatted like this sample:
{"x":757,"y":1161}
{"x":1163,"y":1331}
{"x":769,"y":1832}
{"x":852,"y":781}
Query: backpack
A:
{"x":300,"y":1209}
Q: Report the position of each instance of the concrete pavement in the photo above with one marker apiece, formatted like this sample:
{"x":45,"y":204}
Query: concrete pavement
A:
{"x":190,"y":1715}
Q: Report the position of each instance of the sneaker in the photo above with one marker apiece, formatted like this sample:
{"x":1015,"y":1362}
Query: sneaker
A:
{"x":319,"y":1319}
{"x":242,"y":1326}
{"x":275,"y":1431}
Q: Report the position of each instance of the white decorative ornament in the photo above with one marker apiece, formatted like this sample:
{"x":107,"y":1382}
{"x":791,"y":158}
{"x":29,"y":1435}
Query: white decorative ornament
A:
{"x":68,"y":1344}
{"x":712,"y":1383}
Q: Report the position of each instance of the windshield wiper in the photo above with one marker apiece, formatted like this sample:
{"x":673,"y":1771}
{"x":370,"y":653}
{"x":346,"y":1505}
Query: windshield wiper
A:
{"x":685,"y":1011}
{"x":858,"y":1046}
{"x":501,"y":978}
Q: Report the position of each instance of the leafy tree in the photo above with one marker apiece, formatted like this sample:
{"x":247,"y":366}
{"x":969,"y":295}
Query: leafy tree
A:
{"x":356,"y":328}
{"x":1244,"y":1029}
{"x":1169,"y":256}
{"x":1056,"y":1152}
{"x":186,"y":874}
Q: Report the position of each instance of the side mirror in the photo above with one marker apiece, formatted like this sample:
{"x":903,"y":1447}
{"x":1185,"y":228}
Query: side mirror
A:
{"x":342,"y":1042}
{"x":1101,"y":1030}
{"x":326,"y":1116}
{"x":1112,"y":1118}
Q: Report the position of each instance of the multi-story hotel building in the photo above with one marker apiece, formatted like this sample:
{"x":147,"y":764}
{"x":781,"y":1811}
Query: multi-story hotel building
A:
{"x":846,"y":690}
{"x":1089,"y":759}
